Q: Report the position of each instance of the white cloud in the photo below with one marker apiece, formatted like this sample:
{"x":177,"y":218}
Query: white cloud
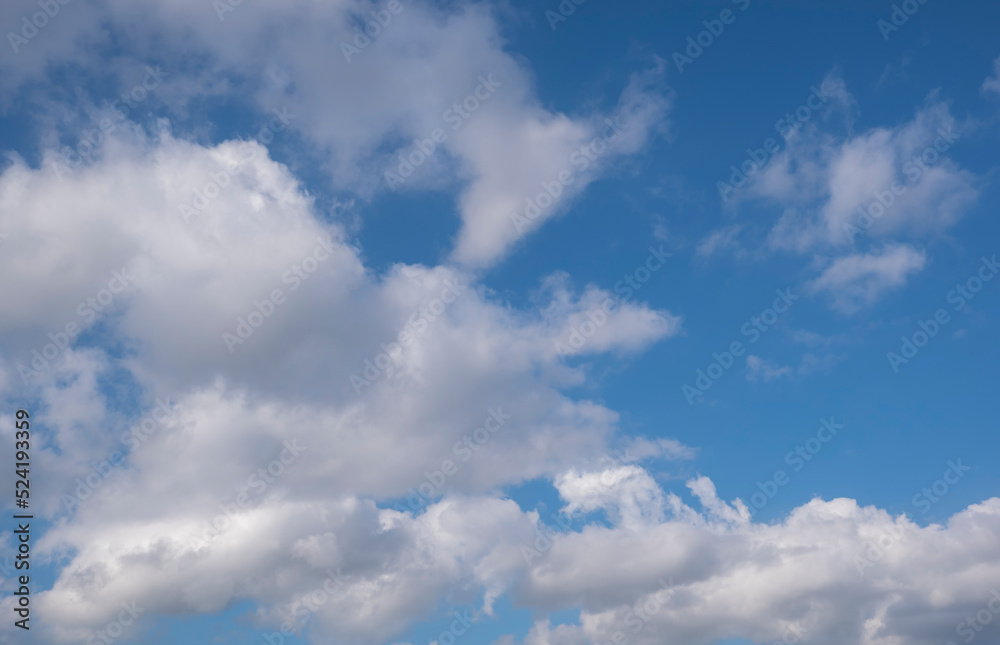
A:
{"x":719,"y":240}
{"x":843,"y":191}
{"x":812,"y":363}
{"x":466,"y":365}
{"x":992,"y":84}
{"x":582,"y":326}
{"x":474,"y":400}
{"x":627,"y":493}
{"x":527,"y":172}
{"x":137,"y":538}
{"x":500,"y":149}
{"x":818,"y":571}
{"x":886,"y":181}
{"x":542,"y":633}
{"x":395,"y":567}
{"x":759,"y":369}
{"x":858,"y":280}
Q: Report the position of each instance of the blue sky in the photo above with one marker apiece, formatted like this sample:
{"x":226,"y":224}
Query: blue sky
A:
{"x":767,"y":383}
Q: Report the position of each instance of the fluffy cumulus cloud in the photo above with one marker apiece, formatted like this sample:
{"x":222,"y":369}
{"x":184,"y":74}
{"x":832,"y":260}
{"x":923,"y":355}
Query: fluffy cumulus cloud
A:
{"x":232,"y":405}
{"x":598,"y":321}
{"x":425,"y":100}
{"x":527,"y":172}
{"x":628,"y":492}
{"x":830,"y":572}
{"x":864,"y":197}
{"x":285,"y":388}
{"x":885,"y":181}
